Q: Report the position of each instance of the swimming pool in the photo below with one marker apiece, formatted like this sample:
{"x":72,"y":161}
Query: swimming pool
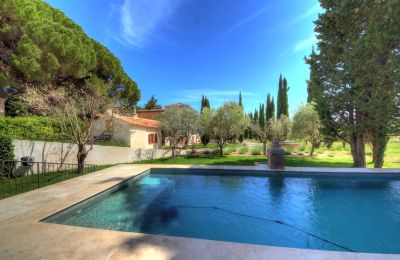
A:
{"x":345,"y":213}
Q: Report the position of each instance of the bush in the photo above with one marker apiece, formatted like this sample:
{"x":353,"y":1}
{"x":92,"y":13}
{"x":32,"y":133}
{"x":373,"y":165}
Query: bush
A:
{"x":31,"y":128}
{"x":228,"y":151}
{"x":288,"y":152}
{"x":215,"y":151}
{"x":243,"y":150}
{"x":256,"y":150}
{"x":6,"y":153}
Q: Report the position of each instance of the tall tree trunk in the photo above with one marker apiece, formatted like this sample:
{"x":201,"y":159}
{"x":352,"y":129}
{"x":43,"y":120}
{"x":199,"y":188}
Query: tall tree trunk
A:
{"x":173,"y":152}
{"x":264,"y":148}
{"x":379,"y":146}
{"x":312,"y":148}
{"x":221,"y":150}
{"x":357,"y":146}
{"x":2,"y":107}
{"x":81,"y":157}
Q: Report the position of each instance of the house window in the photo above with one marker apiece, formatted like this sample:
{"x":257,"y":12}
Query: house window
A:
{"x":152,"y":138}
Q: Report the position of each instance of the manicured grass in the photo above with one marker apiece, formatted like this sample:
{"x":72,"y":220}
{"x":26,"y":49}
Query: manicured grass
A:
{"x":14,"y":186}
{"x":251,"y":160}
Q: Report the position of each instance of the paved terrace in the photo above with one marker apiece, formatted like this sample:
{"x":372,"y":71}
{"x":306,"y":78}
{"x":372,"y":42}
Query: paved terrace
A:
{"x":24,"y":237}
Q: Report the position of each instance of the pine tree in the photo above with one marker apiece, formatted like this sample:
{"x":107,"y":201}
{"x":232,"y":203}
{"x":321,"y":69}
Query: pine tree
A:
{"x":240,"y":100}
{"x":152,"y":104}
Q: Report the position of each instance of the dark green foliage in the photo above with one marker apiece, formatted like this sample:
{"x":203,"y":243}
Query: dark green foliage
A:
{"x":270,"y":111}
{"x":6,"y":153}
{"x":261,"y":119}
{"x":255,"y":116}
{"x":205,"y":103}
{"x":39,"y":45}
{"x":354,"y":75}
{"x":16,"y":107}
{"x":205,"y":139}
{"x":240,"y":99}
{"x":31,"y":128}
{"x":152,"y":104}
{"x":283,"y":103}
{"x":6,"y":148}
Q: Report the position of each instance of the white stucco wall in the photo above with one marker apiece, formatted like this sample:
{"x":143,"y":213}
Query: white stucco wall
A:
{"x":66,"y":153}
{"x":139,"y":138}
{"x":132,"y":135}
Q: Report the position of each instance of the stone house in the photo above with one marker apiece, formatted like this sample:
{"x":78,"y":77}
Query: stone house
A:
{"x":134,"y":131}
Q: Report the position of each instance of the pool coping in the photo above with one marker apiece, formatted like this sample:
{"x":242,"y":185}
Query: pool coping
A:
{"x":27,"y":237}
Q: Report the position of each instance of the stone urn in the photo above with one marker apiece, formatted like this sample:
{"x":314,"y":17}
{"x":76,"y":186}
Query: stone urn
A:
{"x":276,"y":156}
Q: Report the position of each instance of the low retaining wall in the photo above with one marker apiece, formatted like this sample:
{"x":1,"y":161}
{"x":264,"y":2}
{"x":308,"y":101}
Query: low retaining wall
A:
{"x":66,"y":153}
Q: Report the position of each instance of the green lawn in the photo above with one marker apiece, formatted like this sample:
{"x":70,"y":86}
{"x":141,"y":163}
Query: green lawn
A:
{"x":14,"y":186}
{"x":251,"y":160}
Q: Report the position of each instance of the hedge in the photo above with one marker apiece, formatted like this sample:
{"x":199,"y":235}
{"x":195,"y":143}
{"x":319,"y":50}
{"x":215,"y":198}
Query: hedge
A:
{"x":6,"y":153}
{"x":31,"y":128}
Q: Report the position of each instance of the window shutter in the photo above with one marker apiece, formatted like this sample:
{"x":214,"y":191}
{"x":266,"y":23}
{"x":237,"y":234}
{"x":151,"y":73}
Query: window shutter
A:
{"x":155,"y":138}
{"x":149,"y":138}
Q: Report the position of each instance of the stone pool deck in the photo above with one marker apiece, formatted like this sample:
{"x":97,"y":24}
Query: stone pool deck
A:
{"x":23,"y":236}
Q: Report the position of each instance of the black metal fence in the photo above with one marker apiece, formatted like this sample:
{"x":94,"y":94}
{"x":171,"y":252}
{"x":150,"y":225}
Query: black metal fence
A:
{"x":21,"y":176}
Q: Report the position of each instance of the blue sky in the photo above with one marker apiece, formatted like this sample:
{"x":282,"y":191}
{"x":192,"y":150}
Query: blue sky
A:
{"x":179,"y":50}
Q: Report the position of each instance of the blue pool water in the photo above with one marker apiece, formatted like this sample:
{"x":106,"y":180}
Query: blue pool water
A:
{"x":359,"y":214}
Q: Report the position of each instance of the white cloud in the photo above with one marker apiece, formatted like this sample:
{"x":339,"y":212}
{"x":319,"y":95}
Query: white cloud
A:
{"x":314,"y":9}
{"x":304,"y":44}
{"x":244,"y":21}
{"x":303,"y":16}
{"x":140,"y":20}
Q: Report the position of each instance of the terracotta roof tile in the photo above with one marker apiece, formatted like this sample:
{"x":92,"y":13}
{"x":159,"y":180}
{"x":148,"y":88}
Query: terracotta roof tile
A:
{"x":139,"y":121}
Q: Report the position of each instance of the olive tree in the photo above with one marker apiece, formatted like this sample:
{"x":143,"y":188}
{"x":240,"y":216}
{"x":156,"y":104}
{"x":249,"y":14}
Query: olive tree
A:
{"x":306,"y":125}
{"x":280,"y":128}
{"x":177,"y":122}
{"x":224,"y":124}
{"x":76,"y":113}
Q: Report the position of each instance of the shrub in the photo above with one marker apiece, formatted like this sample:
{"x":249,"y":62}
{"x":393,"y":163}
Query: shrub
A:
{"x":288,"y":152}
{"x":256,"y":150}
{"x":207,"y":151}
{"x":243,"y":150}
{"x":31,"y":128}
{"x":215,"y":151}
{"x":6,"y":153}
{"x":230,"y":150}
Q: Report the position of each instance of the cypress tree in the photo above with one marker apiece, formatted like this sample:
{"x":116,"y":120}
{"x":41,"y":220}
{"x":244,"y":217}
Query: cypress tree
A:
{"x":205,"y":139}
{"x":279,"y":101}
{"x":270,"y":110}
{"x":285,"y":99}
{"x":204,"y":103}
{"x":240,"y":100}
{"x":255,"y":118}
{"x":273,"y":107}
{"x":261,"y":118}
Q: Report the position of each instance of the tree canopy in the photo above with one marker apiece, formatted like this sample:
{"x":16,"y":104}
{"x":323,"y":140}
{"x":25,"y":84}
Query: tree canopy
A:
{"x":152,"y":104}
{"x":40,"y":46}
{"x":355,"y":73}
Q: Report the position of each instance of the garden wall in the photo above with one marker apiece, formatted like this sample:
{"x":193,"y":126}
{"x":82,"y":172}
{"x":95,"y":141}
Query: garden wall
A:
{"x":66,"y":153}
